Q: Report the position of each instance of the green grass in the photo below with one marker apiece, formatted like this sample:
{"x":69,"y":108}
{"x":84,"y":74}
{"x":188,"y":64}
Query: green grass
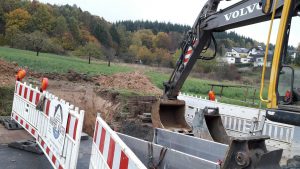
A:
{"x":61,"y":64}
{"x":56,"y":63}
{"x":201,"y":88}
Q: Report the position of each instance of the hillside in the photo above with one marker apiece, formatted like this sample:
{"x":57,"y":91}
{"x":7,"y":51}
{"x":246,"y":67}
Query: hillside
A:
{"x":66,"y":29}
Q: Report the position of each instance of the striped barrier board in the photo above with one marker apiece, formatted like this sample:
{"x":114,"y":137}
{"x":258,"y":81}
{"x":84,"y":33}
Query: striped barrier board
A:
{"x":28,"y":127}
{"x":109,"y":151}
{"x":57,"y":128}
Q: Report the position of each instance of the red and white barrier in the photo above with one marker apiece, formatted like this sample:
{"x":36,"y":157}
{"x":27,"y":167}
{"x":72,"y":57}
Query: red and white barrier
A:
{"x":109,"y":151}
{"x":57,"y":128}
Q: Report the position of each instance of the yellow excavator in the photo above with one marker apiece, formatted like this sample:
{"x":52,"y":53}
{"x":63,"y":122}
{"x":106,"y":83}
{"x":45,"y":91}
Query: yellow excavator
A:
{"x":283,"y":100}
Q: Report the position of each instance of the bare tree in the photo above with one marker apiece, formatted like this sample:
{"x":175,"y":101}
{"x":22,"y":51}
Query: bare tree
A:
{"x":37,"y":40}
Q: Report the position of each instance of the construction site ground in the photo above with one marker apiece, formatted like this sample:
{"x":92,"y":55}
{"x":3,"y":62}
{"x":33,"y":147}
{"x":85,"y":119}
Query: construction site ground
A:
{"x":119,"y":98}
{"x":12,"y":158}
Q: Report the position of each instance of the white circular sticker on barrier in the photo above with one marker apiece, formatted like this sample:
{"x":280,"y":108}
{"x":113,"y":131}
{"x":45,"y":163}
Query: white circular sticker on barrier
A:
{"x":58,"y":115}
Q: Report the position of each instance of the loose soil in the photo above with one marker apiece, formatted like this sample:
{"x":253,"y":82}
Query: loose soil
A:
{"x":135,"y":81}
{"x":96,"y":94}
{"x":7,"y":73}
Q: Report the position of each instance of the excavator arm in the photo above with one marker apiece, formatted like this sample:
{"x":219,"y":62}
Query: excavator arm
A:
{"x":246,"y":12}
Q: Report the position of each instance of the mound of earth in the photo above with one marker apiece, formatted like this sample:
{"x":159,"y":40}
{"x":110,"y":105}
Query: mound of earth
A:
{"x":7,"y":73}
{"x":134,"y":81}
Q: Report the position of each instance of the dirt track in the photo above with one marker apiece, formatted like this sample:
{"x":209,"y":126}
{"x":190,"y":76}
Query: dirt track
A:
{"x":92,"y":94}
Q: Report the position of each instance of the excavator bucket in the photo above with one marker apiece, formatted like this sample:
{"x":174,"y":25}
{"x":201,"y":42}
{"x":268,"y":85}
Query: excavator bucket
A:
{"x":170,"y":115}
{"x":207,"y":124}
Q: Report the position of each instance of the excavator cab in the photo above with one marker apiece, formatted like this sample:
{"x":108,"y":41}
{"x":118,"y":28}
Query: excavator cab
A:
{"x":284,"y":89}
{"x":288,"y":97}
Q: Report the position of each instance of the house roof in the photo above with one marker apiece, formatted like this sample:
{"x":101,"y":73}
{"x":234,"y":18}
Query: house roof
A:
{"x":270,"y":56}
{"x":240,"y":50}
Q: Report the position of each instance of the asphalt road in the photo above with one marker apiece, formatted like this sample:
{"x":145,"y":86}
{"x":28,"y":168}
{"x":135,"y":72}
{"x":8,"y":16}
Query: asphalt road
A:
{"x":18,"y":159}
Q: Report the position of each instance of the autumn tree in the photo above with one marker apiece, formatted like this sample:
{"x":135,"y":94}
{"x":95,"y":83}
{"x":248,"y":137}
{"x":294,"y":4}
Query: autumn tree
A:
{"x":175,"y":40}
{"x":90,"y":50}
{"x":42,"y":19}
{"x":162,"y":55}
{"x":60,"y":26}
{"x":37,"y":39}
{"x":11,"y":34}
{"x":162,"y":40}
{"x":18,"y":19}
{"x":145,"y":55}
{"x":143,"y":37}
{"x":74,"y":28}
{"x":109,"y":54}
{"x":88,"y":37}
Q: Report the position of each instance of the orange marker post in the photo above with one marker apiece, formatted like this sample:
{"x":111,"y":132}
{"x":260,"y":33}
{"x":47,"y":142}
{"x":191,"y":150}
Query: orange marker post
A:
{"x":20,"y":75}
{"x":44,"y":84}
{"x":211,"y":95}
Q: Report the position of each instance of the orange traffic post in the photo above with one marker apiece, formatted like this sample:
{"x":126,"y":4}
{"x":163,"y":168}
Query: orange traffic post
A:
{"x":20,"y":75}
{"x":211,"y":95}
{"x":44,"y":84}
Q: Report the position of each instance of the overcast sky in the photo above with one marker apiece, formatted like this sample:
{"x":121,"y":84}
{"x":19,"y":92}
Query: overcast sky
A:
{"x":175,"y":11}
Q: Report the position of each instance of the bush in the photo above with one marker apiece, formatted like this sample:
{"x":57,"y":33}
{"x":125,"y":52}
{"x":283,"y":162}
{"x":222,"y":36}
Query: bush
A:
{"x":127,"y":57}
{"x":228,"y":72}
{"x":241,"y":65}
{"x":26,"y":42}
{"x":53,"y":47}
{"x":203,"y":66}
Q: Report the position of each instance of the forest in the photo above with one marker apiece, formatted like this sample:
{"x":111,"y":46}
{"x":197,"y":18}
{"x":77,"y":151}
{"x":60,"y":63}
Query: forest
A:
{"x":68,"y":30}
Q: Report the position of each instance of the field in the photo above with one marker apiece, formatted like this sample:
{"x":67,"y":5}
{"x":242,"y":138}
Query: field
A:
{"x":59,"y":64}
{"x":50,"y":63}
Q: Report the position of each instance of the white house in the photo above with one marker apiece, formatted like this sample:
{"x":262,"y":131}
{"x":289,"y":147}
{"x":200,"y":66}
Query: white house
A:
{"x":257,"y":55}
{"x":229,"y":60}
{"x":236,"y":55}
{"x":246,"y":60}
{"x":256,"y":51}
{"x":237,"y":52}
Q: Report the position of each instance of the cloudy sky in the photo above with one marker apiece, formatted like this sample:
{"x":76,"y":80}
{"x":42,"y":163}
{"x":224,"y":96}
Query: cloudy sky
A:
{"x":175,"y":11}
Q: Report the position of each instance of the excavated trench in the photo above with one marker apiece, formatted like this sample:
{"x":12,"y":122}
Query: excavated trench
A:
{"x":119,"y":111}
{"x":115,"y":97}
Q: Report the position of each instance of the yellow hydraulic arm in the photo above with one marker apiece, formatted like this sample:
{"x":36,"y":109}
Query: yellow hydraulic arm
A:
{"x":272,"y":92}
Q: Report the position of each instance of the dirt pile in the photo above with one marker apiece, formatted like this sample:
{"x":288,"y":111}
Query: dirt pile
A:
{"x":94,"y":94}
{"x":135,"y":81}
{"x":7,"y":73}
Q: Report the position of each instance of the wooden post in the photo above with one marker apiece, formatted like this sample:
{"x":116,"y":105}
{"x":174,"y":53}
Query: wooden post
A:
{"x":221,"y":91}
